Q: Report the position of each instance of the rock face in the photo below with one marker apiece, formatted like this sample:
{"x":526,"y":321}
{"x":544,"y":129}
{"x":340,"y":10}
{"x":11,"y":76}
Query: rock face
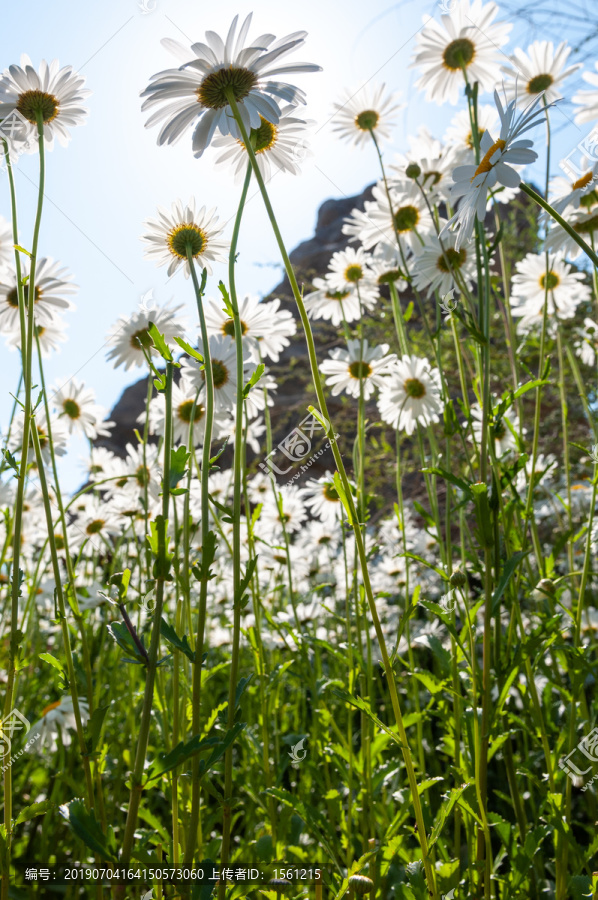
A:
{"x":295,"y":392}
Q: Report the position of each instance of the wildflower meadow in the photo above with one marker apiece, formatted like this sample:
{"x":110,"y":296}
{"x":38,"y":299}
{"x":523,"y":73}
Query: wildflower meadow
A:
{"x":223,"y":674}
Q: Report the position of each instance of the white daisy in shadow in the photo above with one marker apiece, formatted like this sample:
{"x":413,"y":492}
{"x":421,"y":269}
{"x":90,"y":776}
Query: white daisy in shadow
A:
{"x":125,"y":334}
{"x":53,"y":286}
{"x":265,"y":327}
{"x":411,"y":395}
{"x":359,"y":367}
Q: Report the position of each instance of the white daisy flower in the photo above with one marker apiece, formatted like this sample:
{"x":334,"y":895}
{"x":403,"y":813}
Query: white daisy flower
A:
{"x":565,"y":192}
{"x":545,"y":468}
{"x":259,"y":487}
{"x":532,"y":286}
{"x":282,"y":146}
{"x":96,"y":520}
{"x":411,"y":394}
{"x":76,"y":405}
{"x":7,"y":252}
{"x":138,"y":474}
{"x":587,"y":101}
{"x":587,"y":345}
{"x":540,"y":70}
{"x":59,"y":436}
{"x":349,"y":268}
{"x":409,"y":217}
{"x":294,"y":513}
{"x":472,"y":184}
{"x":584,"y":220}
{"x":435,"y":270}
{"x":57,"y":718}
{"x":467,"y":38}
{"x":459,"y":133}
{"x":328,"y":303}
{"x":53,"y":285}
{"x":170,"y":236}
{"x":199,"y":89}
{"x":102,"y":463}
{"x":386,"y":266}
{"x":55,"y":94}
{"x":364,"y":112}
{"x":185,"y":404}
{"x":50,"y":336}
{"x":224,"y":370}
{"x":266,"y":328}
{"x":500,"y":432}
{"x":357,"y":366}
{"x":434,"y":162}
{"x":124,"y":335}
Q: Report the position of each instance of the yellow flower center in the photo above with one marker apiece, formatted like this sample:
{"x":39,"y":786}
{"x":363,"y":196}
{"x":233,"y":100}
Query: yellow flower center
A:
{"x":33,"y":103}
{"x":50,"y":707}
{"x":458,"y":54}
{"x":359,"y":369}
{"x":187,"y":236}
{"x":367,"y":120}
{"x":582,"y":182}
{"x":213,"y":91}
{"x":485,"y":164}
{"x":549,"y":280}
{"x":414,"y":388}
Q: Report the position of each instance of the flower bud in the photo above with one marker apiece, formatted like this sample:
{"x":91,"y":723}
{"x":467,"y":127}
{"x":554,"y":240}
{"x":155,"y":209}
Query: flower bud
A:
{"x":458,"y":579}
{"x":413,"y":171}
{"x":361,"y":884}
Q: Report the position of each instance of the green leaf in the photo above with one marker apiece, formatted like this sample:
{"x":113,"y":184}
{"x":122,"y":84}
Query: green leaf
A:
{"x":121,"y":581}
{"x":47,"y":657}
{"x":26,"y":252}
{"x":94,"y":727}
{"x":408,"y":312}
{"x":444,"y":812}
{"x":182,"y":644}
{"x":202,"y":570}
{"x":159,"y":343}
{"x":361,"y":704}
{"x":36,"y":809}
{"x":178,"y":465}
{"x":317,"y":824}
{"x":458,"y":482}
{"x":10,"y":460}
{"x":507,"y":573}
{"x":338,"y":486}
{"x":183,"y":751}
{"x":191,"y":351}
{"x":242,"y":685}
{"x":86,"y":827}
{"x":240,"y":592}
{"x":254,"y":379}
{"x":124,"y":639}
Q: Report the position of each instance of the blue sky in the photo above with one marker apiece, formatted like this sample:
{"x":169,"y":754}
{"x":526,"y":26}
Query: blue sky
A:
{"x":113,"y":175}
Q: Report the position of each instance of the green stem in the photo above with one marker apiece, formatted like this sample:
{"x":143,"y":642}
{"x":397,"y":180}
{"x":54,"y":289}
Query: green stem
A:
{"x":421,"y":828}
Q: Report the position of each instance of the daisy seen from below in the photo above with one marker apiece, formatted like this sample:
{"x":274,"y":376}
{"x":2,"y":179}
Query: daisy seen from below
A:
{"x":57,"y":718}
{"x":427,"y":162}
{"x":53,"y":95}
{"x":326,"y":302}
{"x":467,"y":38}
{"x":59,"y":436}
{"x":200,"y":90}
{"x":583,"y":220}
{"x":358,"y":368}
{"x":76,"y":405}
{"x":411,"y":394}
{"x":365,"y":113}
{"x":294,"y":513}
{"x":438,"y":266}
{"x":574,"y":191}
{"x":407,"y":220}
{"x":125,"y":333}
{"x":224,"y":371}
{"x":541,"y":69}
{"x":322,"y":499}
{"x":183,"y":230}
{"x":349,"y":268}
{"x":586,"y":347}
{"x":187,"y":406}
{"x":53,"y":286}
{"x":49,"y":336}
{"x":265,"y":327}
{"x":473,"y":183}
{"x":282,"y":146}
{"x":532,"y":286}
{"x":587,"y":101}
{"x":7,"y":253}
